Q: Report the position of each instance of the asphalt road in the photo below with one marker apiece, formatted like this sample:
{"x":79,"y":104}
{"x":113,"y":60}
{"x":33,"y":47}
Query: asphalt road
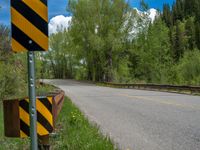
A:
{"x":137,"y":119}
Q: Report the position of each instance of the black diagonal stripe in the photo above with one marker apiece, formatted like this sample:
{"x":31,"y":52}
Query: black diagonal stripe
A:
{"x":25,"y":105}
{"x":24,"y":127}
{"x":30,"y":15}
{"x":44,"y":2}
{"x":24,"y":40}
{"x":44,"y":122}
{"x":46,"y":103}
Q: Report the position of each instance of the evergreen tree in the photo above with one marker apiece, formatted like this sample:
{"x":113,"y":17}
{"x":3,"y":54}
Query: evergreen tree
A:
{"x":197,"y":36}
{"x":190,"y":32}
{"x":166,"y":16}
{"x":179,"y":41}
{"x":178,"y":10}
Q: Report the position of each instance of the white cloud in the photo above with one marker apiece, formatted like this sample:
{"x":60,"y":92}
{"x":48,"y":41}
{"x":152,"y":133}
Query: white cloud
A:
{"x":59,"y":22}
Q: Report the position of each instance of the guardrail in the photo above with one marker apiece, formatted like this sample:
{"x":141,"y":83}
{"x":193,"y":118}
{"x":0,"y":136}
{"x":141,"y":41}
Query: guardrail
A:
{"x":17,"y":121}
{"x":156,"y":87}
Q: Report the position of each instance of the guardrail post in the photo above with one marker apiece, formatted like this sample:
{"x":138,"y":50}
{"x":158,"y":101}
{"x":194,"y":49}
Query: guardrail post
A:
{"x":44,"y":143}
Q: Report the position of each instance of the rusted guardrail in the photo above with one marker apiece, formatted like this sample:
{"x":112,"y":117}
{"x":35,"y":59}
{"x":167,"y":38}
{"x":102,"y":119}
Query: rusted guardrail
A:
{"x":157,"y":87}
{"x":17,"y":121}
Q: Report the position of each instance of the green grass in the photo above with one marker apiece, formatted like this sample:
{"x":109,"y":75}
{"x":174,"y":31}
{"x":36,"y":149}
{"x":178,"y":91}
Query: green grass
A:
{"x":74,"y":132}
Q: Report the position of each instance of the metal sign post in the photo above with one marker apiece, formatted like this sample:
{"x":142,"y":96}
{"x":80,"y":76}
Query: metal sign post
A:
{"x":29,"y":25}
{"x":32,"y":98}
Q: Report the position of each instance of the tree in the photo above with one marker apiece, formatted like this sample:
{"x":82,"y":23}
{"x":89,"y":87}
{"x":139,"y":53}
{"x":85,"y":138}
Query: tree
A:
{"x":197,"y":34}
{"x":166,"y":16}
{"x":190,"y":32}
{"x":179,"y":41}
{"x":100,"y":29}
{"x":60,"y":56}
{"x":178,"y":11}
{"x":153,"y":54}
{"x":188,"y":68}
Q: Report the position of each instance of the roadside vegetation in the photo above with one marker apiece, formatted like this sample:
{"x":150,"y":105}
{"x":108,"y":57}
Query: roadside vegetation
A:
{"x":106,"y":41}
{"x":112,"y":42}
{"x":74,"y":132}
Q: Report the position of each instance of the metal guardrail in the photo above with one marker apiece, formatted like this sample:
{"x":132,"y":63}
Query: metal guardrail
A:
{"x":16,"y":119}
{"x":157,"y":87}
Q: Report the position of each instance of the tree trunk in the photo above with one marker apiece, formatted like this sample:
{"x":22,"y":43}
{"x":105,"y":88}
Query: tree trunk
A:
{"x":110,"y":67}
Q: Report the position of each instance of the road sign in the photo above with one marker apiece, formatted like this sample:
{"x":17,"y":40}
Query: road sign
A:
{"x":17,"y":115}
{"x":29,"y":20}
{"x":44,"y":116}
{"x":29,"y":25}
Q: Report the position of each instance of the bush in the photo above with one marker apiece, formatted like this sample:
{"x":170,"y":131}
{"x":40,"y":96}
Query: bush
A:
{"x":189,"y":68}
{"x":12,"y":80}
{"x":12,"y":68}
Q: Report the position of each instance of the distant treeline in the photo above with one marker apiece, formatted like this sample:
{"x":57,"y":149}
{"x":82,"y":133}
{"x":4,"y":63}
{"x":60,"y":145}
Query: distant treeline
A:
{"x":109,"y":41}
{"x":183,"y":20}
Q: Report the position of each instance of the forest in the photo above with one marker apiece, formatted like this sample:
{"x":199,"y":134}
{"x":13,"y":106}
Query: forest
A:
{"x":108,"y":41}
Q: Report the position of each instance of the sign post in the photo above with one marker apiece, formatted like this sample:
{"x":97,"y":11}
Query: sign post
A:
{"x":29,"y":19}
{"x":32,"y":98}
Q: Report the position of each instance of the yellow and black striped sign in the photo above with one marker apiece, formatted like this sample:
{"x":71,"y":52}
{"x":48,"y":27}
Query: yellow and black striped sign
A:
{"x":29,"y":25}
{"x":44,"y":116}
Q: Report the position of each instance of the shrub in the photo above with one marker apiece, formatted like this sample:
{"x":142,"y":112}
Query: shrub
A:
{"x":189,"y":68}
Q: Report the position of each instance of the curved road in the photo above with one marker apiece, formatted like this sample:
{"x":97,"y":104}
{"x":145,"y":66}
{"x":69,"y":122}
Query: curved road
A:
{"x":137,"y":119}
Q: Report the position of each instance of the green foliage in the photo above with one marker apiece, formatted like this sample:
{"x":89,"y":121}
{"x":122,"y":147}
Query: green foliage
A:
{"x":99,"y":45}
{"x":60,"y":58}
{"x":153,"y":54}
{"x":179,"y":41}
{"x":76,"y":133}
{"x":100,"y":33}
{"x":184,"y":23}
{"x":188,"y":68}
{"x":12,"y":77}
{"x":166,"y":16}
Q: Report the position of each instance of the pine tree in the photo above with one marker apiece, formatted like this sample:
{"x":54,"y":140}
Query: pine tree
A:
{"x":197,"y":36}
{"x":190,"y":32}
{"x":178,"y":10}
{"x":179,"y":41}
{"x":166,"y":16}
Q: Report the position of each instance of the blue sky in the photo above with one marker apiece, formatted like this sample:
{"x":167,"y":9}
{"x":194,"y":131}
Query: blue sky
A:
{"x":58,"y":7}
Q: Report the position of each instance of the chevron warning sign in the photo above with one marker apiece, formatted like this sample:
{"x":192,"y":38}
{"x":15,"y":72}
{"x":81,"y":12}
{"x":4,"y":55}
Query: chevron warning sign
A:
{"x":29,"y":25}
{"x":44,"y":116}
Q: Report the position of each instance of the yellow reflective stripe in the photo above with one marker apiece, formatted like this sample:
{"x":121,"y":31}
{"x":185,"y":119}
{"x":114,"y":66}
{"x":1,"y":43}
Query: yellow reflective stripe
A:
{"x":41,"y":130}
{"x":44,"y":111}
{"x":50,"y":99}
{"x":22,"y":134}
{"x":29,"y":29}
{"x":38,"y":7}
{"x":26,"y":99}
{"x":24,"y":116}
{"x":16,"y":46}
